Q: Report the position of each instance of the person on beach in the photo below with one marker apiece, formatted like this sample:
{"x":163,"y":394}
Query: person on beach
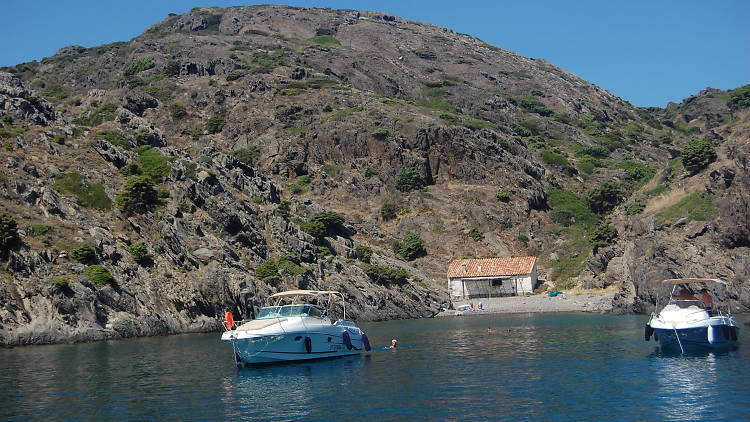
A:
{"x":394,"y":344}
{"x":480,"y":306}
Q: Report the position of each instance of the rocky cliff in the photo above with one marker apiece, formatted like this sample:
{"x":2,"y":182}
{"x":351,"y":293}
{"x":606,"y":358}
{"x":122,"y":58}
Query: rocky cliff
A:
{"x":226,"y":154}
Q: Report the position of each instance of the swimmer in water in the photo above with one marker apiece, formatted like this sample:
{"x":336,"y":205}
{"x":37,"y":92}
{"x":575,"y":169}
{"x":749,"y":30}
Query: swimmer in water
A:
{"x":394,"y":344}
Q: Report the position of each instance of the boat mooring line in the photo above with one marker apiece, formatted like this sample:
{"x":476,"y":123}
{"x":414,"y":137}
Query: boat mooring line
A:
{"x":676,"y":334}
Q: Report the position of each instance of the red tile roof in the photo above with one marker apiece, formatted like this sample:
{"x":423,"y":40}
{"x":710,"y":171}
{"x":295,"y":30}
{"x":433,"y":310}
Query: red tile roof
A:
{"x":491,"y":267}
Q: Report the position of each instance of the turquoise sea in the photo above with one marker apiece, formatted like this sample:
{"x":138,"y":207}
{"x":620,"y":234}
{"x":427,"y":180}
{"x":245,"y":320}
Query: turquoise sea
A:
{"x":528,"y":367}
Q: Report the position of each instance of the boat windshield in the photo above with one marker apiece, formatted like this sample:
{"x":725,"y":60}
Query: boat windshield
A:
{"x":289,"y":311}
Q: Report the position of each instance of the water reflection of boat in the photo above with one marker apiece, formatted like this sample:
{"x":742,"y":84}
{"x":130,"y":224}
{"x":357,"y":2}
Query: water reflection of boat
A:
{"x":294,"y":331}
{"x":688,"y":323}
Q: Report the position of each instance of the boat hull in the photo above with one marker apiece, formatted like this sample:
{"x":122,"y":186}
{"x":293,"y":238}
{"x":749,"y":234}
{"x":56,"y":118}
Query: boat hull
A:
{"x":299,"y":345}
{"x":705,"y":336}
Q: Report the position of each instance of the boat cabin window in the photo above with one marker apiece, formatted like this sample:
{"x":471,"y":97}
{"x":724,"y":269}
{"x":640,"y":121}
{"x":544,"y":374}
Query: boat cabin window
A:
{"x":268,"y":312}
{"x":289,"y":311}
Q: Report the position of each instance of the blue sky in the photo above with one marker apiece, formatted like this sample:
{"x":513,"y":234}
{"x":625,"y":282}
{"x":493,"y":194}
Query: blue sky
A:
{"x":647,"y":52}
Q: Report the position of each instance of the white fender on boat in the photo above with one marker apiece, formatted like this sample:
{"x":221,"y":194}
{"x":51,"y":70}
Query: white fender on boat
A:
{"x":711,"y":334}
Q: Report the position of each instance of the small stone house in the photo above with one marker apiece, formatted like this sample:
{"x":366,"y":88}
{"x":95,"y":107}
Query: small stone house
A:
{"x":492,"y":277}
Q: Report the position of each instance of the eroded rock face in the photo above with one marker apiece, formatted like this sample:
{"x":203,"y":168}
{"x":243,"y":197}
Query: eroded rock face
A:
{"x":18,"y":101}
{"x":197,"y":266}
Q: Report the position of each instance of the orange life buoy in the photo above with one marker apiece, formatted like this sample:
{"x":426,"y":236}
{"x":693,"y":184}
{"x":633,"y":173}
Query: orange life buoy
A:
{"x":228,"y":320}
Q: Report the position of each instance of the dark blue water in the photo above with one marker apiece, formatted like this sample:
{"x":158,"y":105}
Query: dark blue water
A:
{"x":543,"y":367}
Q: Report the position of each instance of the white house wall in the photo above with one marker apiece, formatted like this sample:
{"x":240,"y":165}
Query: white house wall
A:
{"x":523,"y":284}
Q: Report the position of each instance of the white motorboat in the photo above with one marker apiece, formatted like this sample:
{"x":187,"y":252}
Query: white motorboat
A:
{"x":294,"y":331}
{"x":691,"y":322}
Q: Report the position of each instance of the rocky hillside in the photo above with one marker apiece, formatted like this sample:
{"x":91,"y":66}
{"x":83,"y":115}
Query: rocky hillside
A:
{"x":226,"y":154}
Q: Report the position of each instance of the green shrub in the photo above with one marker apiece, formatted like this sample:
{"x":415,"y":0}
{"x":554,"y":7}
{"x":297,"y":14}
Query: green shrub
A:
{"x":104,"y":113}
{"x":381,"y":133}
{"x":323,"y":224}
{"x":315,"y":229}
{"x":555,"y":159}
{"x":153,"y":165}
{"x":411,"y":246}
{"x":425,"y":53}
{"x":99,"y":275}
{"x":322,"y":252}
{"x":502,"y":195}
{"x":603,"y":199}
{"x":177,"y":111}
{"x":130,"y":169}
{"x":161,"y":92}
{"x":565,"y":284}
{"x":739,"y":98}
{"x":587,"y":165}
{"x":85,"y":254}
{"x":604,"y":235}
{"x":171,"y":68}
{"x":300,"y":184}
{"x":532,"y":105}
{"x":638,"y":173}
{"x":695,"y":207}
{"x":476,"y":234}
{"x":268,"y":272}
{"x":36,"y":230}
{"x":90,"y":196}
{"x":409,"y":179}
{"x":8,"y":234}
{"x":388,"y":210}
{"x":138,"y":66}
{"x":215,"y":123}
{"x":635,"y":208}
{"x":139,"y":251}
{"x":331,"y":170}
{"x":248,"y":155}
{"x":658,"y":190}
{"x":364,"y":253}
{"x":570,"y":209}
{"x":138,"y":196}
{"x":116,"y":138}
{"x":235,"y":74}
{"x":328,"y":40}
{"x":519,"y":129}
{"x":271,"y":270}
{"x":59,"y":283}
{"x":697,"y":155}
{"x":597,"y":151}
{"x":523,"y":239}
{"x":385,"y":275}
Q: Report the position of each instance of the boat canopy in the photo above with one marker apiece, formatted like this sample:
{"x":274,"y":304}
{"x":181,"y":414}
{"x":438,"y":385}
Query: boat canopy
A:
{"x":674,"y":281}
{"x":293,"y":293}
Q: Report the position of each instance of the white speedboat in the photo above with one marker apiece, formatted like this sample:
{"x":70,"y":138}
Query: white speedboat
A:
{"x":690,"y":320}
{"x":295,"y":331}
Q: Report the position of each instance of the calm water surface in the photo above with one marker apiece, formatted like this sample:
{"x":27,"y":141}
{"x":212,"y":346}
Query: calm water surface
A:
{"x":538,"y":367}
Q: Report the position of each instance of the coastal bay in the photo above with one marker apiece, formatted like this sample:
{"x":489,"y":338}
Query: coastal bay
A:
{"x":527,"y":366}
